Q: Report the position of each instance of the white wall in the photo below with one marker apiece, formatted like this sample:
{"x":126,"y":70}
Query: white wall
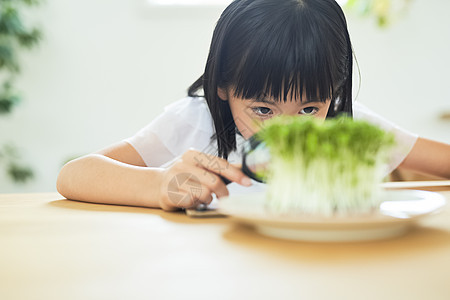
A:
{"x":405,"y":69}
{"x":107,"y":67}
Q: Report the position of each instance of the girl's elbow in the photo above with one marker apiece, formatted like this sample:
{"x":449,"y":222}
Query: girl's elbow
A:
{"x":66,"y":180}
{"x":73,"y":178}
{"x":62,"y":181}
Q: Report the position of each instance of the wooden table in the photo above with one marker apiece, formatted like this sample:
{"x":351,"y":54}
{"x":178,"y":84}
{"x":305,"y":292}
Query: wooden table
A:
{"x":52,"y":248}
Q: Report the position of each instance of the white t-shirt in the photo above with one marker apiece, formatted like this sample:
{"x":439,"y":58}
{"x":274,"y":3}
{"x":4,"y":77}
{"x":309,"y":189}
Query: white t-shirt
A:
{"x":187,"y":123}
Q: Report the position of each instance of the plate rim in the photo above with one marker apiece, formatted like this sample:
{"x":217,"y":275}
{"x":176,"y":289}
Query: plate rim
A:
{"x":366,"y":220}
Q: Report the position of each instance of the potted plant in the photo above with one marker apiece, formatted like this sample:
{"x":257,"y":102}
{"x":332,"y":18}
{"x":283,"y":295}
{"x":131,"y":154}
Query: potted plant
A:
{"x":15,"y":36}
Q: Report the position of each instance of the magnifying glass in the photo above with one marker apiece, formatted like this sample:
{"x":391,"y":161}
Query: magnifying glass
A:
{"x":255,"y":163}
{"x":255,"y":160}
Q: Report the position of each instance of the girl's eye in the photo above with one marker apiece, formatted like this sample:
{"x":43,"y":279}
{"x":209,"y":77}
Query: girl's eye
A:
{"x":310,"y":110}
{"x":262,"y":111}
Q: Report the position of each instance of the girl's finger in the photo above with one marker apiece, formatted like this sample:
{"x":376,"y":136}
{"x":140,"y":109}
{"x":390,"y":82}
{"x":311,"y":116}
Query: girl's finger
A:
{"x":216,"y":165}
{"x":214,"y":183}
{"x":209,"y":180}
{"x":192,"y":194}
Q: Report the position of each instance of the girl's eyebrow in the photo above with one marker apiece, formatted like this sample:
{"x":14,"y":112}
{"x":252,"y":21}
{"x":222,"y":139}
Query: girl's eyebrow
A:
{"x":269,"y":101}
{"x":264,"y":100}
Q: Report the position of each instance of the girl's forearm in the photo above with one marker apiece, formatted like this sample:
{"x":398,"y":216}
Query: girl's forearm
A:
{"x":97,"y":178}
{"x":429,"y":157}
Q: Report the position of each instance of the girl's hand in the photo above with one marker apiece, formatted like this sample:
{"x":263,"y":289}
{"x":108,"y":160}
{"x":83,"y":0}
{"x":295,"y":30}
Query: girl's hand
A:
{"x":193,"y":178}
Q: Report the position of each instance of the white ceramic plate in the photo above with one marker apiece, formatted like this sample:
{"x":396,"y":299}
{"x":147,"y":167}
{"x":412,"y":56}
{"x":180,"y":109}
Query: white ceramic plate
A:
{"x":398,"y":211}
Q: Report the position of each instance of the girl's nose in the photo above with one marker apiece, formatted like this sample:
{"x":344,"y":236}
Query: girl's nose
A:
{"x":290,"y":111}
{"x":290,"y":108}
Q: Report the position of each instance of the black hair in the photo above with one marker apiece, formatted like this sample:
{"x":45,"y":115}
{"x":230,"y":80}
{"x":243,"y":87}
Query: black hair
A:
{"x":272,"y":47}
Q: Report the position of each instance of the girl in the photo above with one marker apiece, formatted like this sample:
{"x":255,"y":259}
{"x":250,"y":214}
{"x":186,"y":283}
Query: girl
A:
{"x":267,"y":57}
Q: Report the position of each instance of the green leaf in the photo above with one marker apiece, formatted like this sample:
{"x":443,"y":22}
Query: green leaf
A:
{"x":20,"y":173}
{"x":17,"y":171}
{"x":29,"y":39}
{"x":8,"y":98}
{"x":7,"y":58}
{"x":10,"y":22}
{"x":6,"y":105}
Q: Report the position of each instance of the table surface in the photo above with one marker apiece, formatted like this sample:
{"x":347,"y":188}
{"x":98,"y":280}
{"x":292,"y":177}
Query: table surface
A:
{"x":53,"y":248}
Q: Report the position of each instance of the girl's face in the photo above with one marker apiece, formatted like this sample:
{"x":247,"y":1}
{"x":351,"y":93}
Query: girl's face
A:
{"x":248,"y":114}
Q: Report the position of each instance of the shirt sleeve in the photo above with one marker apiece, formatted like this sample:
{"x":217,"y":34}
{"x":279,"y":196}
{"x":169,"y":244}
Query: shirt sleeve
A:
{"x":405,"y":140}
{"x":183,"y":125}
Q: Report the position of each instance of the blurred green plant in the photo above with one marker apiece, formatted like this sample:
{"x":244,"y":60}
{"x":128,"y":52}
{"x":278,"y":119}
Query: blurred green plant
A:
{"x":15,"y":36}
{"x":17,"y":171}
{"x":384,"y":11}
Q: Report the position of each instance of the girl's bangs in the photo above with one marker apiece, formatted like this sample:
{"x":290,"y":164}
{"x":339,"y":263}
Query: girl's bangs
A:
{"x":294,"y":59}
{"x":284,"y":75}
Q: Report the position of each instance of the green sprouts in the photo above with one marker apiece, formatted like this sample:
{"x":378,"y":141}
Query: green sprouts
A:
{"x":324,"y":167}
